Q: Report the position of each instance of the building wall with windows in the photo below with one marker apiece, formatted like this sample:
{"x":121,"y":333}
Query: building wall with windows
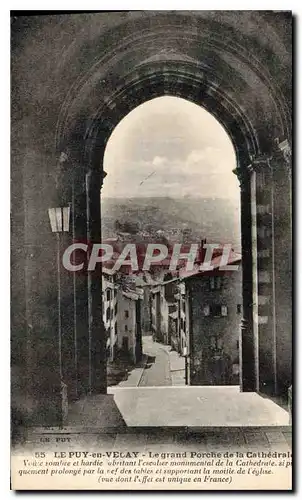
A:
{"x":167,"y":306}
{"x":156,"y":313}
{"x":214,"y":316}
{"x":129,"y":326}
{"x":146,"y":311}
{"x":182,"y":317}
{"x":164,"y":311}
{"x":141,"y":282}
{"x":164,"y":314}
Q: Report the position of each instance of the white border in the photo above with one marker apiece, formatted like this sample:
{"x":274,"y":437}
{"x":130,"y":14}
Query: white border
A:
{"x":60,"y":5}
{"x":154,"y":5}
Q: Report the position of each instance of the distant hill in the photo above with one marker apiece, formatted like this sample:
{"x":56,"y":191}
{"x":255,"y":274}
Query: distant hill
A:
{"x":215,"y":219}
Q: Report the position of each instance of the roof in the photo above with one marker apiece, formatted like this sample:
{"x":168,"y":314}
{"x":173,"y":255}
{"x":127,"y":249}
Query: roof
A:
{"x":108,"y":270}
{"x":132,"y":295}
{"x":234,"y":258}
{"x":146,"y":279}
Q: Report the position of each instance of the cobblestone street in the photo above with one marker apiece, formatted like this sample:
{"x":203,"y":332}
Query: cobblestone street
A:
{"x":154,"y":394}
{"x":157,"y":370}
{"x":160,"y":367}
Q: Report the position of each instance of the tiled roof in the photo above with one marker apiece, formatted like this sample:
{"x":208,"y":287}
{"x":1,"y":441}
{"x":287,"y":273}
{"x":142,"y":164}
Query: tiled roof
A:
{"x":234,"y":258}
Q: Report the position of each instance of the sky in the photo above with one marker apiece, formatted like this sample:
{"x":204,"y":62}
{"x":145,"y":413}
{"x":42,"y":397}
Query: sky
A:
{"x":170,"y":147}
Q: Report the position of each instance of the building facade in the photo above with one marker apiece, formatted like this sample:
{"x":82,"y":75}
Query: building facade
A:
{"x":156,"y":313}
{"x":182,"y":318}
{"x":164,"y":308}
{"x":213,"y":308}
{"x":129,"y":325}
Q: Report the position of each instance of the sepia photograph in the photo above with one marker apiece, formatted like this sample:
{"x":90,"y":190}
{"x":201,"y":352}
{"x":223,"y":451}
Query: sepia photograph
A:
{"x":151,"y":250}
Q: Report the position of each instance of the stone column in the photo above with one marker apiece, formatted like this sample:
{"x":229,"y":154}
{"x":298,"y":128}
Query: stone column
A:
{"x":282,"y":263}
{"x":96,"y":330}
{"x":248,"y":372}
{"x":67,"y":303}
{"x":85,"y":354}
{"x":263,"y":273}
{"x":79,"y":280}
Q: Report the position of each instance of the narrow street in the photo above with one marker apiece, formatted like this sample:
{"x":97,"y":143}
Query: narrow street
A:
{"x":153,"y":394}
{"x":157,"y":369}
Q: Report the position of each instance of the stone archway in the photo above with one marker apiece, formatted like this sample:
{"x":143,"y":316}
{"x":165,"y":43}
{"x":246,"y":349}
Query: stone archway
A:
{"x":218,"y":62}
{"x":182,"y":79}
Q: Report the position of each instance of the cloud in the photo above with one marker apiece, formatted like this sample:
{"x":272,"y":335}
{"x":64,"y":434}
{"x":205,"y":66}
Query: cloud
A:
{"x":186,"y":147}
{"x":159,"y":160}
{"x":196,"y":156}
{"x":199,"y":164}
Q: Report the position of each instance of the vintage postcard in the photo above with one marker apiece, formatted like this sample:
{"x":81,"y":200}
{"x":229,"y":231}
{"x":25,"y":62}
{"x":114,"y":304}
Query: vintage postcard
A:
{"x":151,"y":233}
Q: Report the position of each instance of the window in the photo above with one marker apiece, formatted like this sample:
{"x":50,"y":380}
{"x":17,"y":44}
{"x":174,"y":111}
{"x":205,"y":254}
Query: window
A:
{"x":108,"y":294}
{"x":115,"y":329}
{"x":115,"y":309}
{"x":126,"y":328}
{"x":215,"y":282}
{"x":238,"y":308}
{"x":216,"y":343}
{"x":218,"y":310}
{"x":115,"y":292}
{"x":215,"y":310}
{"x":108,"y":314}
{"x":125,"y":345}
{"x":206,"y":310}
{"x":184,"y":307}
{"x":126,"y":314}
{"x":224,"y":311}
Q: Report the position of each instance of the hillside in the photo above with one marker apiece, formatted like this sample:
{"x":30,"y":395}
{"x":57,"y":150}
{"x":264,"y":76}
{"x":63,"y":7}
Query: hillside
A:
{"x":214,"y":219}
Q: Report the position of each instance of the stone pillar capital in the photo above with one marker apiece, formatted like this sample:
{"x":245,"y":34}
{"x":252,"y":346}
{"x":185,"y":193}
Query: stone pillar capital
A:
{"x":259,"y":163}
{"x":282,"y":154}
{"x":286,"y":151}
